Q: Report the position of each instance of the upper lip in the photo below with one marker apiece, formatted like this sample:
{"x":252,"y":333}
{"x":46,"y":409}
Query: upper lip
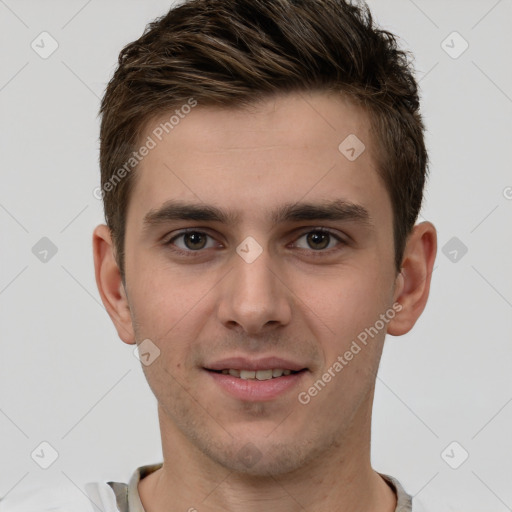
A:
{"x":265,"y":363}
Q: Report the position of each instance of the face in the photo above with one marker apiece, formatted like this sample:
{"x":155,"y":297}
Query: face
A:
{"x":255,"y":244}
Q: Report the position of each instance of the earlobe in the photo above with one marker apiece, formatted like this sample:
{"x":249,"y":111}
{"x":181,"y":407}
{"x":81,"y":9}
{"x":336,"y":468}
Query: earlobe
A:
{"x":413,"y":283}
{"x":110,"y":286}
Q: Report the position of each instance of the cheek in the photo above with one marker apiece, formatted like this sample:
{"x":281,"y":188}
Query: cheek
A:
{"x":346,"y":303}
{"x":164,"y":292}
{"x":166,"y":308}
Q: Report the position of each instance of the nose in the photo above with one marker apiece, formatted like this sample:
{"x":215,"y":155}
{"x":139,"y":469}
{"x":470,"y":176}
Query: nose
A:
{"x":255,"y":296}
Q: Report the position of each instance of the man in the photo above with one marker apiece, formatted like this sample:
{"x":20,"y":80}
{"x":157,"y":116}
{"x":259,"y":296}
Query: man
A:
{"x":262,"y":169}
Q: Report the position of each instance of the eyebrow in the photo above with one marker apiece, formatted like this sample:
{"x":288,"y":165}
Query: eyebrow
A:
{"x":338,"y":210}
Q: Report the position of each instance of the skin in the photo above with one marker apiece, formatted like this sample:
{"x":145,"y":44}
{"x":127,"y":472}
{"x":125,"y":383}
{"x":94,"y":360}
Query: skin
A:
{"x":301,"y":299}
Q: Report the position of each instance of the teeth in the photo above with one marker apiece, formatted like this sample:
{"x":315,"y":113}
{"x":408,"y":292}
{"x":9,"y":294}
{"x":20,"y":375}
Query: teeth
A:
{"x":264,"y":374}
{"x":258,"y":375}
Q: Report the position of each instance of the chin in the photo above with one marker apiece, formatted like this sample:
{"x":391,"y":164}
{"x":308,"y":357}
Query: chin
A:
{"x":262,"y":458}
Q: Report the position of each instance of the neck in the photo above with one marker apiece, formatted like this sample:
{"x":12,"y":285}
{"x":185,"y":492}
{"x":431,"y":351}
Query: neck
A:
{"x":340,"y":480}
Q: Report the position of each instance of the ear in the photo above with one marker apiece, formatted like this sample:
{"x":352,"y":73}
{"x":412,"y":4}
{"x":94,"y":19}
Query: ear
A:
{"x":413,"y":282}
{"x":110,"y":285}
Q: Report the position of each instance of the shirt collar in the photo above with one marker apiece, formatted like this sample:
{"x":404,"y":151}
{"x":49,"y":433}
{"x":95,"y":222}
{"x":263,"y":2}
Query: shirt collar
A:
{"x":128,"y":498}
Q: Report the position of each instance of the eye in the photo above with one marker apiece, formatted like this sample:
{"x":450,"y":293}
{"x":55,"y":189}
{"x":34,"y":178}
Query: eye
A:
{"x":320,"y":239}
{"x":191,"y":241}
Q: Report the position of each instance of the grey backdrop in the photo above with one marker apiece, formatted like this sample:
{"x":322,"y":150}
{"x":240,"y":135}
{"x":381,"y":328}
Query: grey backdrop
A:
{"x":443,"y":411}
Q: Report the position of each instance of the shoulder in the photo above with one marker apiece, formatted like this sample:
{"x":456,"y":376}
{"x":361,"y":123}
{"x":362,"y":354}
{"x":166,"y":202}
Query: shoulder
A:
{"x":61,"y":498}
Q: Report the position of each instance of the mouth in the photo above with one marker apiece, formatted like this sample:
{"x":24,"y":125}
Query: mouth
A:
{"x":268,"y":374}
{"x":256,"y":380}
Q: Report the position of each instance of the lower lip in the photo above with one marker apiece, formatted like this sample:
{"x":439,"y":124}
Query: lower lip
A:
{"x":254,"y":390}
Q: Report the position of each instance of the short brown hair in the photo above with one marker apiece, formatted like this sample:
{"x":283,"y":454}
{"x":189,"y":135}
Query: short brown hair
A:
{"x":236,"y":52}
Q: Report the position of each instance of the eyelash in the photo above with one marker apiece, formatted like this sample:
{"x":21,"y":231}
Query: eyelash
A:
{"x":316,"y":253}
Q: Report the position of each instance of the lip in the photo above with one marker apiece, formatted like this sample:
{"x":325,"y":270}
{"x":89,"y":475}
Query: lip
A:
{"x":253,"y":390}
{"x":265,"y":363}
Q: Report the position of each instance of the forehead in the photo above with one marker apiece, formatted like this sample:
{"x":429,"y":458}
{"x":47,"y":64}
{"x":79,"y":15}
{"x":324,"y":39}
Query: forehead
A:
{"x":280,"y":150}
{"x":308,"y":121}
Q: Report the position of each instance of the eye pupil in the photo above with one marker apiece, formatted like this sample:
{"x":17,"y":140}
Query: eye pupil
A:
{"x":195,"y":238}
{"x":315,"y":237}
